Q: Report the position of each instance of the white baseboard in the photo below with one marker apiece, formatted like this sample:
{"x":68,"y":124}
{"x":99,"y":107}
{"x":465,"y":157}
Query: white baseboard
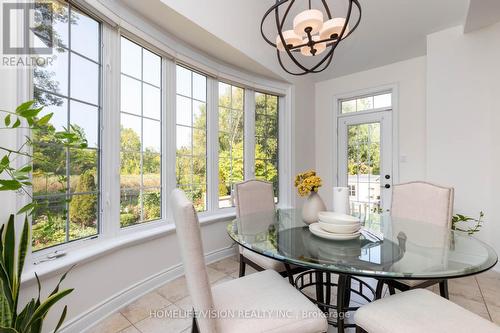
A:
{"x":92,"y":317}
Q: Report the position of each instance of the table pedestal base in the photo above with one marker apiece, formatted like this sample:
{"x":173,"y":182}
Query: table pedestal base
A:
{"x":346,"y":286}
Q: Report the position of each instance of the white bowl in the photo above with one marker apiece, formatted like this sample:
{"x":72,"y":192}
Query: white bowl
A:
{"x":337,"y":218}
{"x":340,"y":228}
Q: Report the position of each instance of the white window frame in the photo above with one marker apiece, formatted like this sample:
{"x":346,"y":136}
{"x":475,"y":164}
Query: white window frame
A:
{"x":144,"y":35}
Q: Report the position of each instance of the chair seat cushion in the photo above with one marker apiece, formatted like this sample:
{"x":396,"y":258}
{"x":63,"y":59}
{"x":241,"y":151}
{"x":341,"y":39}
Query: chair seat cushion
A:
{"x":265,"y":302}
{"x":263,"y":261}
{"x":417,"y":311}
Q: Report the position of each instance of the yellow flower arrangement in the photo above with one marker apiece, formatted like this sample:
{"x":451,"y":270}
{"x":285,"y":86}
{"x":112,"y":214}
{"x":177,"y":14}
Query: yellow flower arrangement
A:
{"x":307,"y":182}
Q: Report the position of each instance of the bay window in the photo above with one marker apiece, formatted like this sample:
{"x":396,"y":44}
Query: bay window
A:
{"x":151,"y":125}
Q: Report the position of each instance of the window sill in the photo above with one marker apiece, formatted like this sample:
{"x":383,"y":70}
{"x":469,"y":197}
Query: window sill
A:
{"x":102,"y":247}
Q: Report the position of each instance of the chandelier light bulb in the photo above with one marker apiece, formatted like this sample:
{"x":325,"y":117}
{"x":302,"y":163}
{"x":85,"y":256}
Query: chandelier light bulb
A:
{"x":319,"y":47}
{"x":291,"y":38}
{"x":311,"y":18}
{"x":333,"y":28}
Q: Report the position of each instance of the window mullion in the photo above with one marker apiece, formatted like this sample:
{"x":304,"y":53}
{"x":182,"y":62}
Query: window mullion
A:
{"x":212,"y":144}
{"x":169,"y":125}
{"x":249,"y":134}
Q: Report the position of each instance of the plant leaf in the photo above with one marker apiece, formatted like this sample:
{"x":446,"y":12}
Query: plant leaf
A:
{"x":7,"y":120}
{"x":21,"y":256}
{"x":17,"y":123}
{"x":61,"y":319}
{"x":28,"y":208}
{"x":45,"y":119}
{"x":56,"y":289}
{"x":7,"y":330}
{"x":9,"y":185}
{"x":5,"y":310}
{"x":9,"y":249}
{"x":42,"y":310}
{"x":25,"y":106}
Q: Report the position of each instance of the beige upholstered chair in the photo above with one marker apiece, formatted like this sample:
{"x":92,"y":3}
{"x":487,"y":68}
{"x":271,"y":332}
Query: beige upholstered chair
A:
{"x":420,"y":201}
{"x":418,"y":311}
{"x":260,"y":293}
{"x":256,"y":196}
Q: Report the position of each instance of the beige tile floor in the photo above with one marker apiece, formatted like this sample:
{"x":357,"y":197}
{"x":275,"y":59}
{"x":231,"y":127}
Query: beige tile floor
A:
{"x":479,"y":294}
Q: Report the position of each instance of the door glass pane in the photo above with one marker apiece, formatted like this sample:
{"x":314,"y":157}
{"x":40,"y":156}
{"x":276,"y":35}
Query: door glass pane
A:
{"x":363,"y":158}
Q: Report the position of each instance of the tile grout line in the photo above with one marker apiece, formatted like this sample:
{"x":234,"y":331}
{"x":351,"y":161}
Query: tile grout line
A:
{"x":482,"y":296}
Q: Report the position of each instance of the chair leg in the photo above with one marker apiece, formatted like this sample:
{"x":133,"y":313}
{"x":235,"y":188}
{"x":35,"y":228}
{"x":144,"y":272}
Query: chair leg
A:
{"x":194,"y":326}
{"x":242,"y":266}
{"x":443,"y":289}
{"x":392,"y":291}
{"x":360,"y":330}
{"x":380,"y":288}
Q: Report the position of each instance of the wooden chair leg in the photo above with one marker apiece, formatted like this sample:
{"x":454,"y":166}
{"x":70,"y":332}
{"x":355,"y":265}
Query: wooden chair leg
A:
{"x":443,"y":289}
{"x":242,"y":266}
{"x":380,"y":288}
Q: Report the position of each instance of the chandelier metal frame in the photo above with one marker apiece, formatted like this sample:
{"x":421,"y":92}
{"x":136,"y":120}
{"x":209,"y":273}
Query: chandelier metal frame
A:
{"x":331,"y":42}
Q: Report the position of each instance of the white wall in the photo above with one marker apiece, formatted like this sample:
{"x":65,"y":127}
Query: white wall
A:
{"x":409,"y":76}
{"x":463,"y":116}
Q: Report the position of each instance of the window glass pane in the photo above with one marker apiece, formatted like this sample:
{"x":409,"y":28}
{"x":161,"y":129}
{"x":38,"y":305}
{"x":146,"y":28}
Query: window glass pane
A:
{"x":199,"y":87}
{"x":141,"y":136}
{"x":84,"y":76}
{"x":84,"y":33}
{"x":183,"y":81}
{"x":349,"y":106}
{"x":151,"y":101}
{"x":131,"y":133}
{"x":183,"y":116}
{"x":66,"y":180}
{"x":52,"y":76}
{"x":83,"y":216}
{"x":199,"y":114}
{"x":86,"y":118}
{"x":152,"y":136}
{"x":363,"y":104}
{"x":42,"y":23}
{"x":266,"y":140}
{"x":231,"y":145}
{"x":183,"y":140}
{"x":151,"y":68}
{"x":130,"y":95}
{"x":382,"y":101}
{"x":130,"y":58}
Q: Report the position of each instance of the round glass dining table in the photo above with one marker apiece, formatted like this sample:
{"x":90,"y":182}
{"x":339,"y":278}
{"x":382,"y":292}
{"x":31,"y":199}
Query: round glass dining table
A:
{"x":388,"y":248}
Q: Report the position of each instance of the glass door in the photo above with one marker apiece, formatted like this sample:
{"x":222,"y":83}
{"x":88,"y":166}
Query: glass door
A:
{"x":365,"y":159}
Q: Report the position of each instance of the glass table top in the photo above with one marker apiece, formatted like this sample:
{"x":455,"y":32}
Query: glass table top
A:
{"x":393,"y":248}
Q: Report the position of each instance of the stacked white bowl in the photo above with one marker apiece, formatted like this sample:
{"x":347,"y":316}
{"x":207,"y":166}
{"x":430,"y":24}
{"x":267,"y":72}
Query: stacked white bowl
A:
{"x":337,"y":223}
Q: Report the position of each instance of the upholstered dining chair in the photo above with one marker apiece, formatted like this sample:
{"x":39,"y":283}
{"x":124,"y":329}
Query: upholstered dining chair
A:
{"x":256,"y":196}
{"x":420,"y":201}
{"x":225,"y":307}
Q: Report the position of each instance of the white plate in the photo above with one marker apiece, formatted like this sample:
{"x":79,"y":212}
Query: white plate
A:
{"x":337,"y":218}
{"x":340,"y":228}
{"x":316,"y":230}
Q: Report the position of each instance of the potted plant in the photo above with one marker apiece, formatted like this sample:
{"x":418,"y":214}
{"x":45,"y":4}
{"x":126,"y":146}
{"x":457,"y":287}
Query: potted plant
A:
{"x":30,"y":318}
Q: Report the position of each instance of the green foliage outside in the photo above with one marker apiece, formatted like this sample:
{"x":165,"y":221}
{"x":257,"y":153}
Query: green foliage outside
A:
{"x":363,"y":151}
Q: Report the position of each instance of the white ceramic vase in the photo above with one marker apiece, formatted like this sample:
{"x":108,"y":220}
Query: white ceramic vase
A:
{"x":313,"y":205}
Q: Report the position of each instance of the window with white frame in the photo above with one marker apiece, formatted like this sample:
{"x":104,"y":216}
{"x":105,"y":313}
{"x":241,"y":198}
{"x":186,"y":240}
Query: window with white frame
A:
{"x":140,"y":134}
{"x":366,"y":103}
{"x":231,"y":141}
{"x":266,"y":139}
{"x":127,"y":133}
{"x":191,"y":135}
{"x":65,"y":181}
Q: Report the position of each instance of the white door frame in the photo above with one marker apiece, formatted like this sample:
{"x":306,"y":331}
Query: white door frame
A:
{"x":392,"y":87}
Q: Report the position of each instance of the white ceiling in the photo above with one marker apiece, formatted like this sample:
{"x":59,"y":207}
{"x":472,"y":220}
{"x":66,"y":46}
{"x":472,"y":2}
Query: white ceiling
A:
{"x":390,"y":31}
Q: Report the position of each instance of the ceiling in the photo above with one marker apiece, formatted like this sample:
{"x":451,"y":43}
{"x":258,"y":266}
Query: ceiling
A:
{"x":390,"y":31}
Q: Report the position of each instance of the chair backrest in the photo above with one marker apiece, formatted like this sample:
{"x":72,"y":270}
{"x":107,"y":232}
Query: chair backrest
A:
{"x":189,"y":237}
{"x":422,"y":201}
{"x":254,"y":196}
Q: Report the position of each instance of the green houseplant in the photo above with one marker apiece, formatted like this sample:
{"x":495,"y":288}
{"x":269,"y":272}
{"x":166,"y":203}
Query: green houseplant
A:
{"x":477,"y":223}
{"x":30,"y":318}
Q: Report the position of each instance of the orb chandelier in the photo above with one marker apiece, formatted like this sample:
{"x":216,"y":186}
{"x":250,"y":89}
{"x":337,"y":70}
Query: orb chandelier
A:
{"x":310,"y":36}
